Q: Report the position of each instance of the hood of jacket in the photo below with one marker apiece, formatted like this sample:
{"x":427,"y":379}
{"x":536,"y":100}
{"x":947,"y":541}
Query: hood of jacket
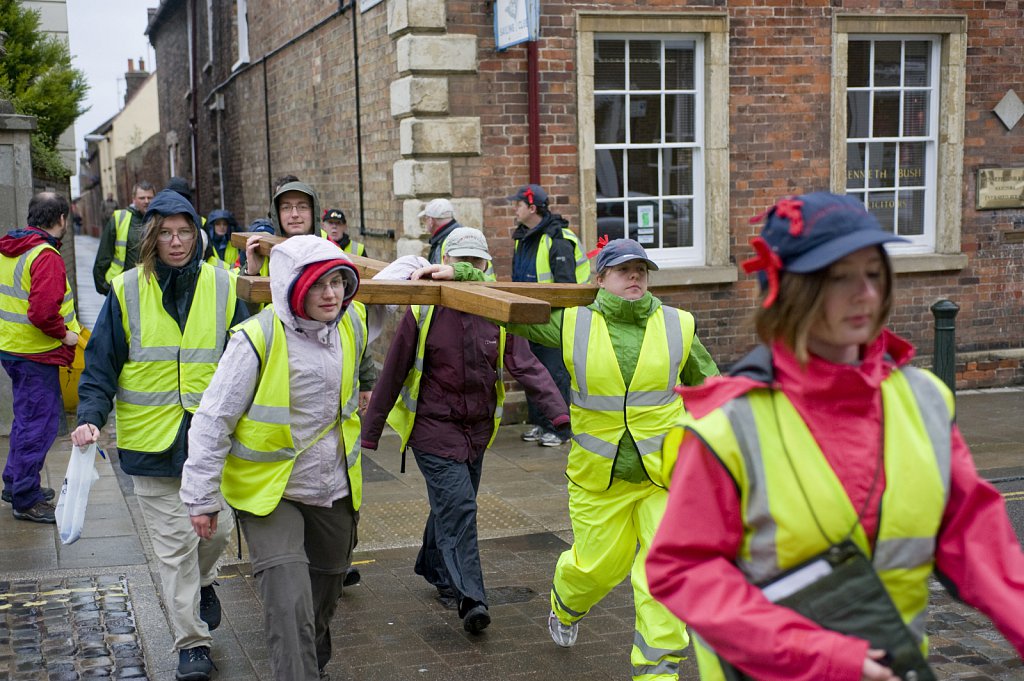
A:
{"x":17,"y":241}
{"x":221,"y":214}
{"x":287,"y":260}
{"x":295,"y":187}
{"x":169,"y":202}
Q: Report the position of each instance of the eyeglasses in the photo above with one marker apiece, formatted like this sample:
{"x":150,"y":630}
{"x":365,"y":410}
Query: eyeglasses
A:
{"x":337,"y":285}
{"x":165,"y":236}
{"x":299,"y":207}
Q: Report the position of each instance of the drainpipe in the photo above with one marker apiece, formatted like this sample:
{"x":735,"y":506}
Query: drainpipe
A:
{"x":193,"y":95}
{"x":533,"y":110}
{"x":266,"y":128}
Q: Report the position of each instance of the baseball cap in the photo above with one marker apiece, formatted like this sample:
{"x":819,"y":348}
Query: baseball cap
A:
{"x":467,"y":242}
{"x":618,"y":251}
{"x":438,"y":208}
{"x":809,"y":232}
{"x":531,"y":194}
{"x":334,"y":214}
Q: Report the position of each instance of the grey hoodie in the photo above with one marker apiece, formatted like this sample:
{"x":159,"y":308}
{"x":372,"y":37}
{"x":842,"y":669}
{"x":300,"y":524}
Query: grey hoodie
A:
{"x":315,"y":360}
{"x":294,"y":187}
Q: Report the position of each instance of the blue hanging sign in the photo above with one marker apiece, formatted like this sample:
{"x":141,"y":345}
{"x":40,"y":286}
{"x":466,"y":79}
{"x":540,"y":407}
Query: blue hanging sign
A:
{"x":515,"y":21}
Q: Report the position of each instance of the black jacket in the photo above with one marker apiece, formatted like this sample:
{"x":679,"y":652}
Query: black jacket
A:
{"x":562,"y":255}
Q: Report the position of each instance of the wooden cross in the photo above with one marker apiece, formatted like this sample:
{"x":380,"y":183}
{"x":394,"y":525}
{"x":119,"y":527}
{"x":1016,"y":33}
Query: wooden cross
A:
{"x":506,"y":301}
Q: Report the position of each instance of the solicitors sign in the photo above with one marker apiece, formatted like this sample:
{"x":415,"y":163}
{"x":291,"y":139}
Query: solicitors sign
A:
{"x":515,"y":21}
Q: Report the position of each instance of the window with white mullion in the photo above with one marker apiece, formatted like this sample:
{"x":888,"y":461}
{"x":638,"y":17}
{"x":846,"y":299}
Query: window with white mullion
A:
{"x":647,"y":142}
{"x":891,"y":133}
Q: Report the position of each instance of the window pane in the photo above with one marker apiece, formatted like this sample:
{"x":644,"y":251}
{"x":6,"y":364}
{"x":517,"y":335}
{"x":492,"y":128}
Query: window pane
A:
{"x":609,"y":220}
{"x":915,"y":114}
{"x":678,"y":165}
{"x":886,"y":119}
{"x":912,"y":158}
{"x":858,"y":112}
{"x":609,"y":119}
{"x":644,"y":65}
{"x":887,"y":63}
{"x":680,"y":62}
{"x":882,"y":164}
{"x":643,"y":222}
{"x":608,"y":172}
{"x":679,"y":120}
{"x":642,"y":172}
{"x":910,"y":213}
{"x":855,"y":165}
{"x":916,"y":67}
{"x":859,"y":67}
{"x":645,"y":119}
{"x":609,"y":64}
{"x":882,"y":205}
{"x":677,"y":223}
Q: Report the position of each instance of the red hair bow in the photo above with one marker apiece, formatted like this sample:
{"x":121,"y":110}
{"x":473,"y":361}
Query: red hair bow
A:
{"x":601,"y":243}
{"x":789,"y":209}
{"x":528,"y":194}
{"x":767,"y":261}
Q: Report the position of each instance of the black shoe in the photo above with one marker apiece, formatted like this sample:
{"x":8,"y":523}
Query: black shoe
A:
{"x":194,"y":664}
{"x":40,"y":513}
{"x":352,"y":577}
{"x":476,"y":619}
{"x":324,"y":676}
{"x":209,"y":607}
{"x":48,"y":494}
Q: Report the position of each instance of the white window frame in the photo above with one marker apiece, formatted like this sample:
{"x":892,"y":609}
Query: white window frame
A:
{"x":944,"y":254}
{"x":209,"y":36}
{"x":682,"y":256}
{"x":242,"y":25}
{"x":715,"y":265}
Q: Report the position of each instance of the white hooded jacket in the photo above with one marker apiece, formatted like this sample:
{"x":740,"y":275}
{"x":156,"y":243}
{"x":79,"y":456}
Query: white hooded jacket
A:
{"x":315,"y":360}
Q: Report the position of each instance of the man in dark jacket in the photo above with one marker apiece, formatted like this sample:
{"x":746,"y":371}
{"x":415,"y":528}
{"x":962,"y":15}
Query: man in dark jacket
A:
{"x":38,"y":333}
{"x":119,"y":243}
{"x":439,"y":218}
{"x":456,"y":385}
{"x":546,"y":251}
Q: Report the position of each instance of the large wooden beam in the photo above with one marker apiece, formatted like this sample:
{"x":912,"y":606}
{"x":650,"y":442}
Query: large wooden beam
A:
{"x":367,"y":266}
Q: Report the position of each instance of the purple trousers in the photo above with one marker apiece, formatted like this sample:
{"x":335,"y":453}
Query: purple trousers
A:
{"x":38,"y":405}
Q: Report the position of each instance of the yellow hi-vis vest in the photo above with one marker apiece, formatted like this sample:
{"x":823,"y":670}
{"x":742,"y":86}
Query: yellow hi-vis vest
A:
{"x":122,"y":221}
{"x":757,"y":435}
{"x":355,"y":248}
{"x":403,"y":414}
{"x":229,"y":259}
{"x":17,"y":333}
{"x":543,"y":264}
{"x":602,"y":408}
{"x":263,"y":451}
{"x":167,"y":369}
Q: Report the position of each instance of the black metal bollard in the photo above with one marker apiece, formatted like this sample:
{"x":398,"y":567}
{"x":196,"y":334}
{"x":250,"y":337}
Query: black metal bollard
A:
{"x":944,"y":358}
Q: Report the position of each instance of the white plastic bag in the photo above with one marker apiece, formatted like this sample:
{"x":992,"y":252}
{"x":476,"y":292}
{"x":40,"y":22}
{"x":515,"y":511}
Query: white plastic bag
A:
{"x":74,"y":493}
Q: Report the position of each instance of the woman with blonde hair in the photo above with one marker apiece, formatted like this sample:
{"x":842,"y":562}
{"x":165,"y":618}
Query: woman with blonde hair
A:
{"x":157,"y":341}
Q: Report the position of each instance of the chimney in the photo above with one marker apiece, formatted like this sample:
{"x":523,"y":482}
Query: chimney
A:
{"x":134,"y":79}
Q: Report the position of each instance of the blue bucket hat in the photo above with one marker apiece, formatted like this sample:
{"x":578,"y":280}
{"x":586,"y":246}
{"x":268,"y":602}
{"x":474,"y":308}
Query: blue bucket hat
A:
{"x":809,"y":232}
{"x":618,"y":251}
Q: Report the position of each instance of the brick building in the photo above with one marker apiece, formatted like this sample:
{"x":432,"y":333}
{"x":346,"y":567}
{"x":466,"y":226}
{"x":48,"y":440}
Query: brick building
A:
{"x":677,"y":120}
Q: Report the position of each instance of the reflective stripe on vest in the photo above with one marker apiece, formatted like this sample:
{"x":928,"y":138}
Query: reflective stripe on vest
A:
{"x":263,"y":450}
{"x":167,"y":369}
{"x":122,"y":222}
{"x":17,"y":333}
{"x":602,"y":408}
{"x":779,"y":528}
{"x":355,"y":248}
{"x":403,"y":414}
{"x":544,"y":274}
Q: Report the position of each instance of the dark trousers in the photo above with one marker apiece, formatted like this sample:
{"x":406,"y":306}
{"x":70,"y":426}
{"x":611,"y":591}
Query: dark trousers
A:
{"x":551,"y":358}
{"x":299,"y":555}
{"x":450,"y":554}
{"x":38,"y":406}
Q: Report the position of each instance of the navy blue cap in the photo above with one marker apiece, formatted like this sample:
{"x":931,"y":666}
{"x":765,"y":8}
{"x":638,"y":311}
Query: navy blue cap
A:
{"x":618,"y":251}
{"x":261,"y":225}
{"x":532,"y":195}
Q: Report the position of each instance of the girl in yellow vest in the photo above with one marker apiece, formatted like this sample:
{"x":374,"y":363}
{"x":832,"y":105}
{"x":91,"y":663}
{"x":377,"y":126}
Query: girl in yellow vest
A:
{"x":157,"y":341}
{"x":825,"y":450}
{"x":626,"y":354}
{"x":277,"y":439}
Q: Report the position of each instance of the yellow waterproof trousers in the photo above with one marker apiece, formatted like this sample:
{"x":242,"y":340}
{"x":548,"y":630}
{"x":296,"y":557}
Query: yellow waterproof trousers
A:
{"x":612,"y":533}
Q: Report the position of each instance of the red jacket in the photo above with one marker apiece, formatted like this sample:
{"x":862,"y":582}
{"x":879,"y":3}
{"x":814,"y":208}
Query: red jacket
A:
{"x":49,"y":279}
{"x":691,"y":567}
{"x":455,"y":411}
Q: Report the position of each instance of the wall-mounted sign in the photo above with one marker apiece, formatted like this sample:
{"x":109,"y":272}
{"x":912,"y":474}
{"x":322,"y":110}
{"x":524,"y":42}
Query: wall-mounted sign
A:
{"x":515,"y":21}
{"x":1000,"y":188}
{"x":367,"y":4}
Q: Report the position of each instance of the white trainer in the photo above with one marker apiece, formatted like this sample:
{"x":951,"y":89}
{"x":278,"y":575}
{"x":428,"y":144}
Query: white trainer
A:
{"x":562,"y":634}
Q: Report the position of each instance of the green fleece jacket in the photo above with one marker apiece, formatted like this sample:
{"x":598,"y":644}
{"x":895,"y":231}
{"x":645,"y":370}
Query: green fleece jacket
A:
{"x":627,"y":322}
